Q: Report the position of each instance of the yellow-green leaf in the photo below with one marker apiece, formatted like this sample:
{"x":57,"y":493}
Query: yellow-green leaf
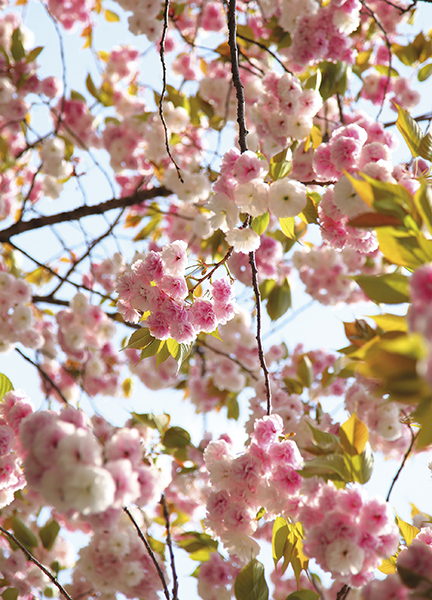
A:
{"x":250,"y":583}
{"x":354,"y":435}
{"x":409,"y":129}
{"x":111,"y":16}
{"x":5,"y":385}
{"x":288,"y":227}
{"x":408,"y":531}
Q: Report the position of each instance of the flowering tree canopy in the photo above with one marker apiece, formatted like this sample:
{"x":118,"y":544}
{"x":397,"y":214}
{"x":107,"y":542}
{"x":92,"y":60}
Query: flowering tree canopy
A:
{"x":159,"y":198}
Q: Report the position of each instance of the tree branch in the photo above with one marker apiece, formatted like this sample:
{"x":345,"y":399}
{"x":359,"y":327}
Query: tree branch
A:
{"x":170,"y":547}
{"x":405,"y":458}
{"x":81,"y":212}
{"x":150,"y":552}
{"x":34,"y":560}
{"x":232,"y":31}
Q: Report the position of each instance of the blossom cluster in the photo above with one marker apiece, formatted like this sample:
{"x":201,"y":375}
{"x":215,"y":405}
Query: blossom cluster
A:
{"x":155,"y":283}
{"x":86,"y":469}
{"x":347,"y":533}
{"x":420,"y":312}
{"x":263,"y":476}
{"x":17,"y":320}
{"x":14,"y":408}
{"x":413,"y":578}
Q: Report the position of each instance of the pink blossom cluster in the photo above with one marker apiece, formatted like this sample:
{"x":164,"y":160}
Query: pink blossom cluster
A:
{"x":17,"y":319}
{"x":413,"y":578}
{"x":77,"y":123}
{"x":153,"y":376}
{"x":346,"y":533}
{"x":71,"y":12}
{"x":283,"y":111}
{"x":106,"y":273}
{"x":327,"y":273}
{"x":155,"y":283}
{"x":264,"y":476}
{"x":377,"y":88}
{"x":213,"y":376}
{"x":116,"y":561}
{"x":354,"y":147}
{"x":383,"y":418}
{"x":324,"y":34}
{"x":216,"y":578}
{"x":14,"y":407}
{"x":268,"y":259}
{"x":143,"y":20}
{"x":420,"y":311}
{"x":79,"y":473}
{"x":84,"y":334}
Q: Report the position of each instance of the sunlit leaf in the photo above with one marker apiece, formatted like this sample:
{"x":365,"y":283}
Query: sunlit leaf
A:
{"x":391,"y":288}
{"x":140,"y":339}
{"x":48,"y":534}
{"x":176,"y":437}
{"x":409,"y":129}
{"x":354,"y":435}
{"x":260,"y":224}
{"x":250,"y":583}
{"x":408,"y":531}
{"x":5,"y":385}
{"x":279,"y":538}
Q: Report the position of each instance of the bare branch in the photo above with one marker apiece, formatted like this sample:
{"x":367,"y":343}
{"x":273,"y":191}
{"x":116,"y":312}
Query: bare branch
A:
{"x":81,"y":212}
{"x":150,"y":552}
{"x":170,"y":547}
{"x":34,"y":560}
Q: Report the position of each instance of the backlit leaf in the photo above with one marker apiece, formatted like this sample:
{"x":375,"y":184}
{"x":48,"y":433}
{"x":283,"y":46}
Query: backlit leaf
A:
{"x":5,"y":385}
{"x":354,"y":435}
{"x":391,"y":288}
{"x":409,"y":129}
{"x":250,"y":583}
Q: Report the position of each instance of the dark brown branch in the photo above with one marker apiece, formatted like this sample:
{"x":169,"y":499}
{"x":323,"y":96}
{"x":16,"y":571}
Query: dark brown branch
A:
{"x":232,"y":33}
{"x":81,"y":212}
{"x":210,"y":273}
{"x":150,"y":552}
{"x":343,"y":592}
{"x":405,"y":458}
{"x":164,"y":84}
{"x":258,"y":333}
{"x":34,"y":560}
{"x":170,"y":547}
{"x":264,"y":47}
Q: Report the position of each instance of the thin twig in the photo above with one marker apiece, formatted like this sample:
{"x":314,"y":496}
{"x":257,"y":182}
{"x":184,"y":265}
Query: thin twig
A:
{"x":44,"y":375}
{"x":34,"y":560}
{"x":150,"y":552}
{"x":210,"y":273}
{"x":343,"y":592}
{"x":170,"y":547}
{"x":405,"y":458}
{"x":199,"y":342}
{"x":258,"y":333}
{"x":164,"y":87}
{"x":264,"y":47}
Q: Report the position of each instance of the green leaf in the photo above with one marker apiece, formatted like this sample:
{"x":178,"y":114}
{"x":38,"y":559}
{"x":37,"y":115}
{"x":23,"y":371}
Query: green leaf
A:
{"x":392,"y":288}
{"x":159,"y":422}
{"x":151,"y":349}
{"x":323,"y":438}
{"x":162,"y":355}
{"x":334,"y":79}
{"x":288,"y":227}
{"x":332,"y":467}
{"x":90,"y":85}
{"x":140,"y":339}
{"x":199,"y":546}
{"x":409,"y":129}
{"x":260,"y":224}
{"x":233,"y":409}
{"x":425,"y":147}
{"x":10,"y":594}
{"x":5,"y":385}
{"x":405,"y":248}
{"x":279,"y":538}
{"x":425,"y":72}
{"x":77,"y":96}
{"x":17,"y":48}
{"x":250,"y":583}
{"x":48,"y":534}
{"x":279,"y":301}
{"x":176,"y":437}
{"x":23,"y":533}
{"x":303,"y":595}
{"x":423,"y":416}
{"x":390,"y":322}
{"x":423,"y":203}
{"x":33,"y":54}
{"x":354,"y":435}
{"x":360,"y":465}
{"x":305,"y":371}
